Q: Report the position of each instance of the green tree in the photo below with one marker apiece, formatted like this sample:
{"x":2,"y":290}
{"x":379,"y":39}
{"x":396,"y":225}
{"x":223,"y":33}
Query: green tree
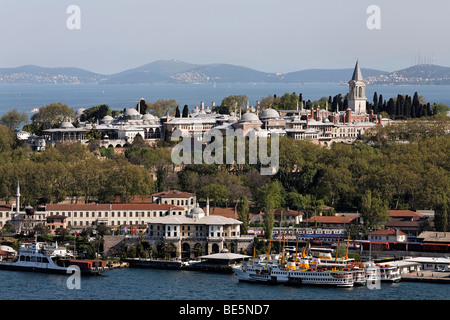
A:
{"x":441,"y":216}
{"x":374,"y":211}
{"x":52,"y":115}
{"x":162,"y":107}
{"x":268,"y":218}
{"x":244,"y":214}
{"x":216,"y":193}
{"x":185,"y":113}
{"x":12,"y":119}
{"x":234,"y":101}
{"x":96,"y":113}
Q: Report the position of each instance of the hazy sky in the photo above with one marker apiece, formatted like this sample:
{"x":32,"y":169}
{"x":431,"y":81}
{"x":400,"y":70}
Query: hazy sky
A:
{"x":268,"y":35}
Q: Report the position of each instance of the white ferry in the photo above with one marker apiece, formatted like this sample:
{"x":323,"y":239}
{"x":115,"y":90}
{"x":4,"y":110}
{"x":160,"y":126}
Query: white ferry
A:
{"x":38,"y":257}
{"x":389,"y":273}
{"x":276,"y":275}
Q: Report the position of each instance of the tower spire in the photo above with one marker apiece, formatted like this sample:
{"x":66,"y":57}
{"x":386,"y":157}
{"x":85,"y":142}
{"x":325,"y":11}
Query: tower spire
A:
{"x":357,"y":75}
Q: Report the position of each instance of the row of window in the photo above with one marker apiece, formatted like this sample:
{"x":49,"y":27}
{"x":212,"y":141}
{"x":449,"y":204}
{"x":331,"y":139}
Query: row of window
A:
{"x":188,"y":234}
{"x":119,"y":214}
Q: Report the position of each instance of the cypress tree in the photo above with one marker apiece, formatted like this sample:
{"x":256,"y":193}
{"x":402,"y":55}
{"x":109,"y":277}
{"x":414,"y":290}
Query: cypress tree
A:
{"x":391,"y":106}
{"x":380,"y":104}
{"x":407,"y":107}
{"x":415,"y":112}
{"x":177,"y":112}
{"x":185,"y":111}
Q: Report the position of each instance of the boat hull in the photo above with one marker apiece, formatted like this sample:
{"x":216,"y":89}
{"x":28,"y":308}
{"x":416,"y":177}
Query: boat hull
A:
{"x":62,"y":270}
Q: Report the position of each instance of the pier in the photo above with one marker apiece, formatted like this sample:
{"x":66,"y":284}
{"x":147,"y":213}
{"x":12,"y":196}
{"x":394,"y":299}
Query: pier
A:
{"x":427,"y":276}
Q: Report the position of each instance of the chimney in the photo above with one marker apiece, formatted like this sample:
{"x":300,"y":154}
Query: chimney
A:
{"x":318,"y":113}
{"x":348,"y":115}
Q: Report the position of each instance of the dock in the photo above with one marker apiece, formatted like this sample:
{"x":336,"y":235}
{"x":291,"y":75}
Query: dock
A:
{"x":427,"y":276}
{"x":154,"y":264}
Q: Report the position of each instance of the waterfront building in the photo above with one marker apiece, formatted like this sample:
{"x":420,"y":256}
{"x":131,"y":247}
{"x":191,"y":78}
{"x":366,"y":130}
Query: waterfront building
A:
{"x":54,"y":223}
{"x":80,"y":216}
{"x":198,"y":233}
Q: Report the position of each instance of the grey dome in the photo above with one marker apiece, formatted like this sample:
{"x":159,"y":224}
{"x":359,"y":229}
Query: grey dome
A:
{"x":249,"y":117}
{"x":66,"y":125}
{"x":269,"y":114}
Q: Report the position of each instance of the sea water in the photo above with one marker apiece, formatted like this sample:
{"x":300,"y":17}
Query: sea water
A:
{"x":153,"y":284}
{"x":27,"y":97}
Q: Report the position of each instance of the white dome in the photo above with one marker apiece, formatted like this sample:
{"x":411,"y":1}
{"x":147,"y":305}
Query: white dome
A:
{"x":249,"y":117}
{"x":66,"y":125}
{"x":107,"y":118}
{"x":148,"y":116}
{"x":131,"y":112}
{"x":269,"y":114}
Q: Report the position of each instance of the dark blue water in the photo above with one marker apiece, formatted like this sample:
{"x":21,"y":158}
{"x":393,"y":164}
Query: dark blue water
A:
{"x":150,"y":284}
{"x":26,"y":97}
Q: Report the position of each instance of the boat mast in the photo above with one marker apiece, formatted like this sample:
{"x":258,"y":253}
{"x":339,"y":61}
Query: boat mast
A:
{"x":296,"y":249}
{"x":348,"y":241}
{"x":268,"y":252}
{"x":337,"y":249}
{"x":253,"y":264}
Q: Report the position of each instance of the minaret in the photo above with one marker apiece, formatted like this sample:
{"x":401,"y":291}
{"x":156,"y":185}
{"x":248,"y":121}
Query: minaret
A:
{"x":18,"y":197}
{"x":357,"y":91}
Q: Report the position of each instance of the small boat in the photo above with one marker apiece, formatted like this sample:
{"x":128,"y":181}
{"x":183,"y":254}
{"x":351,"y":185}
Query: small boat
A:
{"x":38,"y":257}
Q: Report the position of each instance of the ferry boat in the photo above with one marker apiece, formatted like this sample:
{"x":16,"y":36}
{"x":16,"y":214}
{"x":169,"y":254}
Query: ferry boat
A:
{"x":389,"y":273}
{"x":289,"y":275}
{"x":38,"y":257}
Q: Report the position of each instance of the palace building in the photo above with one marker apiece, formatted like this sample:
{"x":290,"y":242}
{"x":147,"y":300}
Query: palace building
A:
{"x":318,"y":125}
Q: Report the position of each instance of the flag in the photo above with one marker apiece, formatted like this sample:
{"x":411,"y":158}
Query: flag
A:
{"x":77,"y":234}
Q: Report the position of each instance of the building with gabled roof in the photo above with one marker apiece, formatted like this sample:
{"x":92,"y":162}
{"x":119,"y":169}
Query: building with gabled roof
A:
{"x":394,"y":235}
{"x":198,"y":233}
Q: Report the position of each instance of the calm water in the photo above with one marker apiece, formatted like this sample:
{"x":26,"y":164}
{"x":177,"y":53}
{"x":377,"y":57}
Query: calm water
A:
{"x":26,"y":97}
{"x":151,"y":284}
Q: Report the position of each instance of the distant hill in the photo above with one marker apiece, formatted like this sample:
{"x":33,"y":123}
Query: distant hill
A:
{"x":175,"y":71}
{"x":424,"y":74}
{"x":155,"y":72}
{"x":31,"y":74}
{"x":328,"y":75}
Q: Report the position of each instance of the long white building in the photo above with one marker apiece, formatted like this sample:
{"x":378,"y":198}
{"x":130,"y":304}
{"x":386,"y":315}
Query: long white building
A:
{"x":319,"y":126}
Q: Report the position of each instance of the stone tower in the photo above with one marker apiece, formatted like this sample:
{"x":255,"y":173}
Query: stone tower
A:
{"x":357,"y":93}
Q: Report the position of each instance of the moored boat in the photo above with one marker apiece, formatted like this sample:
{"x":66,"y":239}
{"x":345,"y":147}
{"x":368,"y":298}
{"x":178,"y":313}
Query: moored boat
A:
{"x":285,"y":275}
{"x":38,"y":257}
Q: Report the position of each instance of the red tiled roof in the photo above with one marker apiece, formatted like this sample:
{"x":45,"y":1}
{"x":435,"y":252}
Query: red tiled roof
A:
{"x":5,"y":207}
{"x":224,"y":212}
{"x":386,"y":232}
{"x":107,"y":207}
{"x":54,"y":217}
{"x":173,"y":194}
{"x":289,"y":213}
{"x":331,"y":219}
{"x":404,"y":213}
